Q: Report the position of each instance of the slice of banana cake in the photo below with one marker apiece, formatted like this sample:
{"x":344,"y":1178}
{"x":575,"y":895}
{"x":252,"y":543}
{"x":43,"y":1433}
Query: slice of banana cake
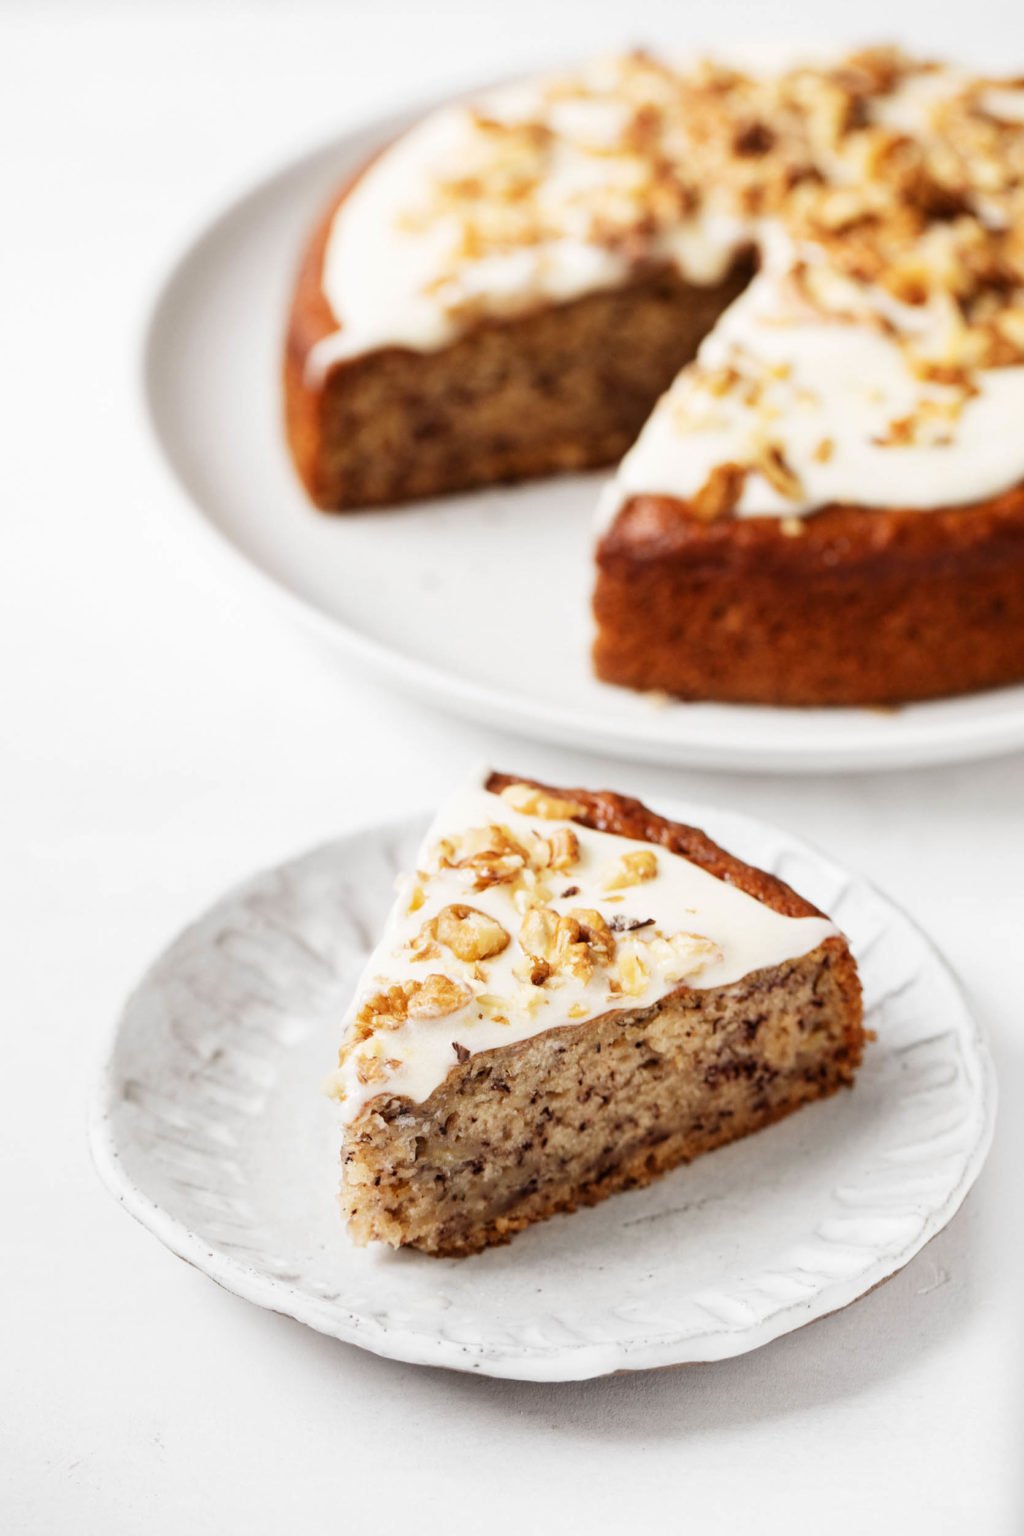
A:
{"x":573,"y":995}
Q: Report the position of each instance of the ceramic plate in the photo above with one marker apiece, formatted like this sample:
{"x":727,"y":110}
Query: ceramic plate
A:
{"x":212,"y":1130}
{"x":404,"y":590}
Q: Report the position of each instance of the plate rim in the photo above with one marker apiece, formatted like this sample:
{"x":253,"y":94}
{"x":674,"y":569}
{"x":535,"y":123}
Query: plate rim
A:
{"x":517,"y":1361}
{"x":931,"y":744}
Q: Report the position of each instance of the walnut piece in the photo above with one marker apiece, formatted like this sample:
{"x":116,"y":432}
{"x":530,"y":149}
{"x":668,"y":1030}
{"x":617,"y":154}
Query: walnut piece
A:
{"x":575,"y":942}
{"x":670,"y":960}
{"x":560,"y":851}
{"x":928,"y":209}
{"x":369,"y":1069}
{"x":436,"y":997}
{"x":537,"y":802}
{"x":485,"y":855}
{"x":632,"y":869}
{"x":467,"y":932}
{"x":771,"y":462}
{"x":388,"y":1009}
{"x":432,"y":998}
{"x":719,"y":496}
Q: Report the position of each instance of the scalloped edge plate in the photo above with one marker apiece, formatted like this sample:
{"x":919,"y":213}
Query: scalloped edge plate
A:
{"x":209,"y":1128}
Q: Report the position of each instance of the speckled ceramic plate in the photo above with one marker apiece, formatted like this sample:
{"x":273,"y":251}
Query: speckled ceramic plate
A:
{"x":210,"y":1128}
{"x":399,"y":590}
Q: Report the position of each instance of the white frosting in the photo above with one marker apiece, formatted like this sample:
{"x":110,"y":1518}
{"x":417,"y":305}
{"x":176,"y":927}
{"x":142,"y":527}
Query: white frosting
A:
{"x":829,"y":396}
{"x":729,"y":935}
{"x":495,"y":207}
{"x":394,"y":272}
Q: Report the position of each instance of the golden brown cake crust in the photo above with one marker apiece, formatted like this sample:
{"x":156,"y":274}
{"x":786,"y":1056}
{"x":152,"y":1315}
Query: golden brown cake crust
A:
{"x":606,"y":811}
{"x":310,"y":320}
{"x":851,"y":605}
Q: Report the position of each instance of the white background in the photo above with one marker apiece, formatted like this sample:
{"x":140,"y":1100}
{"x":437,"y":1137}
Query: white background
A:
{"x":164,"y":733}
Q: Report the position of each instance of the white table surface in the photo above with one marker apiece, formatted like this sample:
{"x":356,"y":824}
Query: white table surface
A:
{"x":163,"y":733}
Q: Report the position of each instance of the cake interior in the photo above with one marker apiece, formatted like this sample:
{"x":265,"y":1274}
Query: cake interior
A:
{"x":569,"y":1116}
{"x":567,"y":387}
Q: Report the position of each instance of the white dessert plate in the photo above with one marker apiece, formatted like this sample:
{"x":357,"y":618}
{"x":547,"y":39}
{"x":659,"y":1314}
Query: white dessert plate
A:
{"x":478,"y":601}
{"x":211,"y":1129}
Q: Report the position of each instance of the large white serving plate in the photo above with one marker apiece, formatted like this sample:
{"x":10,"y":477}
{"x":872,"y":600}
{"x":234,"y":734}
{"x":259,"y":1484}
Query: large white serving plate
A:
{"x":479,"y":601}
{"x":211,"y":1129}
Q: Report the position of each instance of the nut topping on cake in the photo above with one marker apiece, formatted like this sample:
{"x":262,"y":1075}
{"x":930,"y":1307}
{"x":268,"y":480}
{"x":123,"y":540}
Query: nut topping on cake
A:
{"x":880,"y":198}
{"x":485,"y":855}
{"x":720,"y":494}
{"x":771,"y":463}
{"x":467,"y":932}
{"x":510,"y":961}
{"x":676,"y":958}
{"x":575,"y":942}
{"x":433,"y":998}
{"x":530,"y":801}
{"x":632,"y":869}
{"x":437,"y":997}
{"x":895,"y":173}
{"x":559,"y":852}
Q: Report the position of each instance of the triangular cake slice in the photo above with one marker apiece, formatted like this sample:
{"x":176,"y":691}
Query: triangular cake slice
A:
{"x":573,"y":995}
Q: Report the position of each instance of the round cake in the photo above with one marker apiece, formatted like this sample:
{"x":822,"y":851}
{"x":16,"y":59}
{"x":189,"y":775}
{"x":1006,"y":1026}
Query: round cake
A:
{"x":793,"y":300}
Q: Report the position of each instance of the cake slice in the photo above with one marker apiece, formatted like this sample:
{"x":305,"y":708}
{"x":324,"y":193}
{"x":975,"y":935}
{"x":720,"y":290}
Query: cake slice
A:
{"x":572,"y":996}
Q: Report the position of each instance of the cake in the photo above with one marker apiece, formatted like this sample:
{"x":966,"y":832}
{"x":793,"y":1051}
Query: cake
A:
{"x":803,"y":289}
{"x":573,"y":995}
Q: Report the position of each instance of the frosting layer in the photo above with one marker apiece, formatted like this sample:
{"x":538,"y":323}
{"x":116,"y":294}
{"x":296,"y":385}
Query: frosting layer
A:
{"x":518,"y":920}
{"x":876,"y":359}
{"x":800,"y":414}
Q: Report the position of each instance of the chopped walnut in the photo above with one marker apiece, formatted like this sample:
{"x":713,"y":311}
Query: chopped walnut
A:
{"x":432,"y":998}
{"x":369,"y":1069}
{"x":718,"y":381}
{"x":438,"y":996}
{"x":530,"y":801}
{"x":771,"y":463}
{"x":538,"y":935}
{"x":531,"y":891}
{"x":558,"y":853}
{"x":422,"y":947}
{"x":469,"y":934}
{"x":575,"y":942}
{"x":595,"y":933}
{"x":928,"y":210}
{"x":670,"y":960}
{"x":632,"y":973}
{"x":632,"y":869}
{"x":898,"y":434}
{"x":485,"y":856}
{"x":719,"y":496}
{"x":388,"y":1009}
